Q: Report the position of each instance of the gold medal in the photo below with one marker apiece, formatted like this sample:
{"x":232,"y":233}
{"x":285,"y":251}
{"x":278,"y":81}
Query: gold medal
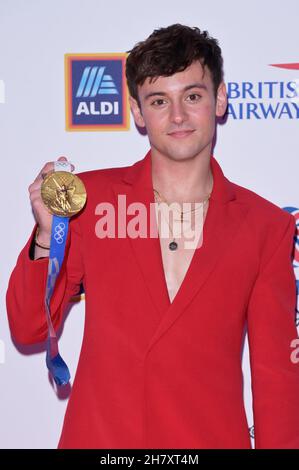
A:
{"x":63,"y":193}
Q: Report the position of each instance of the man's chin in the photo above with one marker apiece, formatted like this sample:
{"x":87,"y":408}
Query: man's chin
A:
{"x":181,"y":156}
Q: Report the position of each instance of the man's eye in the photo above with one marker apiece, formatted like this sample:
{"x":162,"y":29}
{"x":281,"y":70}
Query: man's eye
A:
{"x":158,"y":102}
{"x":194,"y":97}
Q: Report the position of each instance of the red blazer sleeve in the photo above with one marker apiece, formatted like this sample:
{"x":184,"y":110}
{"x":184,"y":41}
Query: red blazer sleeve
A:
{"x":26,"y":290}
{"x":271,"y":329}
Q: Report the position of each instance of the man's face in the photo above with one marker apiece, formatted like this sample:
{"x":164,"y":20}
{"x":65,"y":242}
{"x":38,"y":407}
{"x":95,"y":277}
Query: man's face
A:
{"x":179,"y":112}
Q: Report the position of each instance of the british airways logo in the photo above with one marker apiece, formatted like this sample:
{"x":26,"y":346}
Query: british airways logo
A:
{"x":265,"y":99}
{"x":96,"y":92}
{"x":294,"y":66}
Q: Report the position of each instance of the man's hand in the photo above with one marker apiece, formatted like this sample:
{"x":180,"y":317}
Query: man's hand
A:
{"x":42,"y":215}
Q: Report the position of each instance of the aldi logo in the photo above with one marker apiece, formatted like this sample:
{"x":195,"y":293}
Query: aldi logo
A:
{"x":96,"y":92}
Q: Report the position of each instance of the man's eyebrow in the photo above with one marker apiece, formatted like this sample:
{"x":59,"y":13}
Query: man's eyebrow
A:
{"x":196,"y":85}
{"x":188,"y":87}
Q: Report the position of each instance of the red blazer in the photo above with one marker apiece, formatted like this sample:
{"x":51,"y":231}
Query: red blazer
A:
{"x":156,"y":374}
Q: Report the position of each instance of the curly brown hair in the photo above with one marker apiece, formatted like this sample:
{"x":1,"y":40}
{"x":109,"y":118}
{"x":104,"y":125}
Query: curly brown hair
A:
{"x":170,"y":50}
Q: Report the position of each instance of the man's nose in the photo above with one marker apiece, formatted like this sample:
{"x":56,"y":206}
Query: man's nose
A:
{"x":178,"y":113}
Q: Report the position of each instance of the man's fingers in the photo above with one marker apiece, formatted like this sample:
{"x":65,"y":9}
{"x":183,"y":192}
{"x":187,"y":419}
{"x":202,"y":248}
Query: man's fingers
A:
{"x":49,"y":166}
{"x":35,"y":186}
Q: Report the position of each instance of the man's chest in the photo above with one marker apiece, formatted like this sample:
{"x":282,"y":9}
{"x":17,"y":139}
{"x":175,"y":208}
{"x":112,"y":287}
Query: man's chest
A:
{"x":186,"y":234}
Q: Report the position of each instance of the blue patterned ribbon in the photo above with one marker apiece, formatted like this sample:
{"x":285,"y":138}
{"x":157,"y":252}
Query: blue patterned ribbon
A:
{"x":56,"y":365}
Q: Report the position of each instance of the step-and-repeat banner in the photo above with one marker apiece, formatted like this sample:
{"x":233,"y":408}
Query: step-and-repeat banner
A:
{"x":50,"y":106}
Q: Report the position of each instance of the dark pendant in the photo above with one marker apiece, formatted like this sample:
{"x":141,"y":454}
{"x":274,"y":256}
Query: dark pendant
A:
{"x":173,"y":246}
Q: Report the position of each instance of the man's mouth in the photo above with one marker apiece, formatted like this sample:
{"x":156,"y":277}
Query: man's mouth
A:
{"x":181,"y":134}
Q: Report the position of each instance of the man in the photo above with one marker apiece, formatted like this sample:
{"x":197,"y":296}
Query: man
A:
{"x":160,"y":365}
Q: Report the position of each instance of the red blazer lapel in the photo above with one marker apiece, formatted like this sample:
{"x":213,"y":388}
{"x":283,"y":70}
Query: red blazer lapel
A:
{"x":137,"y":186}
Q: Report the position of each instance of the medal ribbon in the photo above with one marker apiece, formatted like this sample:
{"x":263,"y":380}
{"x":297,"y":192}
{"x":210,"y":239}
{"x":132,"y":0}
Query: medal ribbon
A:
{"x":59,"y":230}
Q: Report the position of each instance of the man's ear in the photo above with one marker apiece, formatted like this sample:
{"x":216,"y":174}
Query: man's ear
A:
{"x":136,"y":111}
{"x":221,"y":100}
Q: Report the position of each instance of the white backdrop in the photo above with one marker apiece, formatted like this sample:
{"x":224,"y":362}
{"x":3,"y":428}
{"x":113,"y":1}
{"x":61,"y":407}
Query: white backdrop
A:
{"x":260,"y":154}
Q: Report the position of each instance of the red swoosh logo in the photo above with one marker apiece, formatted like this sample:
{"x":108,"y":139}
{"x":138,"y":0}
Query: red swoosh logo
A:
{"x":294,"y":66}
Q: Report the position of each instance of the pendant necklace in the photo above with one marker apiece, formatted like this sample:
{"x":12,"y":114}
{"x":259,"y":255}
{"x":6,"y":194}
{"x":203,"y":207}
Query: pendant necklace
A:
{"x":173,"y":245}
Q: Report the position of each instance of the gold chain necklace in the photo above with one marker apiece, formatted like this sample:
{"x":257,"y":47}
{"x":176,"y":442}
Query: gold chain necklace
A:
{"x":173,"y":245}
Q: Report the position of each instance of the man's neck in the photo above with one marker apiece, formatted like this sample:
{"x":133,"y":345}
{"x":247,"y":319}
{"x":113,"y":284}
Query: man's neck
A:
{"x":182,"y":181}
